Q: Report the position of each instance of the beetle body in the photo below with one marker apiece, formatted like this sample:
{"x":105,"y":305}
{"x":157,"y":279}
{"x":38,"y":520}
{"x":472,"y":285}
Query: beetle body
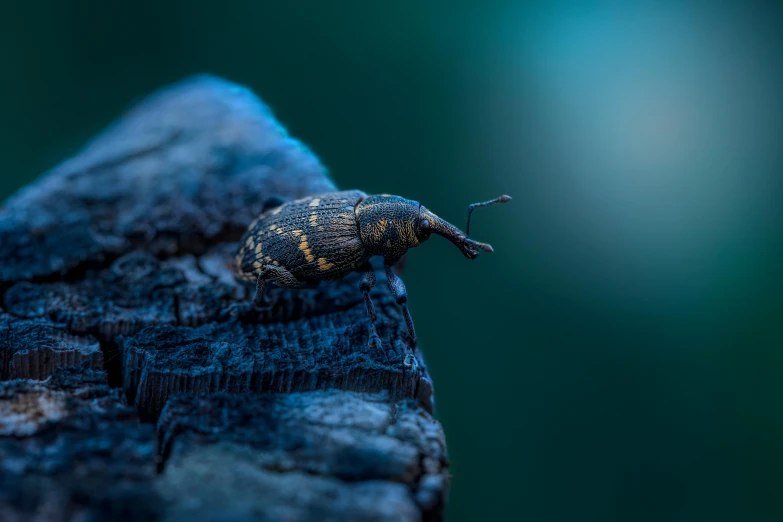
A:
{"x":328,"y":236}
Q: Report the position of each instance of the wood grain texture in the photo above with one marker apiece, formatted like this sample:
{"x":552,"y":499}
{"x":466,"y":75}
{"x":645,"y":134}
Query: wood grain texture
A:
{"x":34,"y":349}
{"x":120,"y":310}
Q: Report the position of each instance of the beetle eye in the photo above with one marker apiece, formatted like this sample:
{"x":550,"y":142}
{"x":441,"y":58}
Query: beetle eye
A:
{"x":424,"y":229}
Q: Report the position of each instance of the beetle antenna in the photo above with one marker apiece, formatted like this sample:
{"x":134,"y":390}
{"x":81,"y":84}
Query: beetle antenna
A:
{"x":501,"y":199}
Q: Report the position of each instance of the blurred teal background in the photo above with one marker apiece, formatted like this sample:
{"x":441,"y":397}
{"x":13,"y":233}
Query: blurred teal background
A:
{"x":620,"y":356}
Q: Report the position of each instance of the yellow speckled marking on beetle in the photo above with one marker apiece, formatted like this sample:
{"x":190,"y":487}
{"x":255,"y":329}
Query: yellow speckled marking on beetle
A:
{"x":258,"y":249}
{"x":268,"y":259}
{"x":304,"y":247}
{"x":276,"y":211}
{"x":382,"y":225}
{"x":297,"y":233}
{"x":275,"y":263}
{"x":279,"y":230}
{"x":323,"y":264}
{"x":257,"y":264}
{"x":250,"y":242}
{"x":273,"y":227}
{"x":320,"y":228}
{"x":315,"y":202}
{"x":313,"y":219}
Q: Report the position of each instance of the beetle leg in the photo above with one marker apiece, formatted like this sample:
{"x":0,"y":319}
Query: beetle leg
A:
{"x":368,"y":281}
{"x":278,"y":275}
{"x":282,"y":277}
{"x":400,"y":294}
{"x":261,"y":299}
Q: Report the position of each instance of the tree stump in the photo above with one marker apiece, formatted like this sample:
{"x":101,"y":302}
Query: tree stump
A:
{"x":138,"y":382}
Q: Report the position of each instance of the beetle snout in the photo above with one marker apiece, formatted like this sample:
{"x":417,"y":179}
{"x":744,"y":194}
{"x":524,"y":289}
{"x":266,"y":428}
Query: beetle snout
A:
{"x":471,"y":248}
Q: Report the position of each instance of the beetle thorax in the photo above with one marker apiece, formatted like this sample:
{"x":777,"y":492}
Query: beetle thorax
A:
{"x":387,"y":225}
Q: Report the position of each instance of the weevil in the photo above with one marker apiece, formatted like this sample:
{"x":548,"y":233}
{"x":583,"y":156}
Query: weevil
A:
{"x":325,"y":237}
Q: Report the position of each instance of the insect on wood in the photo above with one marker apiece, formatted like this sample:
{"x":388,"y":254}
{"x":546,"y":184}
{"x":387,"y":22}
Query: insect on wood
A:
{"x":325,"y":237}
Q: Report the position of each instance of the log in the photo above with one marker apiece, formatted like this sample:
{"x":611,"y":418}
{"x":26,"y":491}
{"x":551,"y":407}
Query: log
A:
{"x":119,"y":310}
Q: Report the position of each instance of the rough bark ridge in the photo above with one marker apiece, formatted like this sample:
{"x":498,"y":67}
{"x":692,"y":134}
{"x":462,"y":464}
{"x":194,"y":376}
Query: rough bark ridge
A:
{"x":119,"y":310}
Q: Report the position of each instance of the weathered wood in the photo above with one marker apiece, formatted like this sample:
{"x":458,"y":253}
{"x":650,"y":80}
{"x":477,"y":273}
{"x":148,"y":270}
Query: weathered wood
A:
{"x":70,"y":449}
{"x":119,"y":258}
{"x":315,"y":353}
{"x":329,"y":455}
{"x":34,"y":349}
